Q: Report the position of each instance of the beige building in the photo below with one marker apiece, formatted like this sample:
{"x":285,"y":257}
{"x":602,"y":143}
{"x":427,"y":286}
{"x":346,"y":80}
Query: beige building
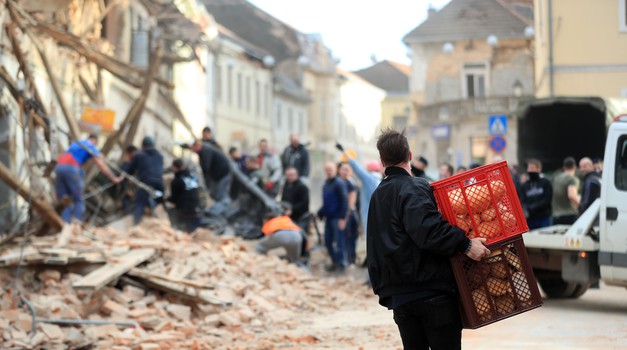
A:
{"x":244,"y":92}
{"x":361,"y":112}
{"x":471,"y":60}
{"x":581,"y":48}
{"x":396,"y":109}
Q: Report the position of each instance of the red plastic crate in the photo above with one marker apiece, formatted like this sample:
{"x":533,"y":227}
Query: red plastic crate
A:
{"x":497,"y":287}
{"x":483,"y":202}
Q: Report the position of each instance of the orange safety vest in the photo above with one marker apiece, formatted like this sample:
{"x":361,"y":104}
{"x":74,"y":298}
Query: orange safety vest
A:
{"x":277,"y":224}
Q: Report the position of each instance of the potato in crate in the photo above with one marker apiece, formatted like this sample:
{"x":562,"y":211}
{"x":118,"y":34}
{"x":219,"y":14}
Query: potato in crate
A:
{"x":497,"y":287}
{"x":483,"y":202}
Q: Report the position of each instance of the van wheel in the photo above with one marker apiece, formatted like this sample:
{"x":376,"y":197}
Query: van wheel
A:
{"x":557,"y":288}
{"x":580,"y":290}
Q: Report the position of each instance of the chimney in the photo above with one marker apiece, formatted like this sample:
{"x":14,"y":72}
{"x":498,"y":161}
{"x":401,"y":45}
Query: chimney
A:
{"x":432,"y":11}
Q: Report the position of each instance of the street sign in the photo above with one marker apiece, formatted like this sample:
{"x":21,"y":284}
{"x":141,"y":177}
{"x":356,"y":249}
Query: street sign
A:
{"x":497,"y":125}
{"x":442,"y":131}
{"x":498,"y":144}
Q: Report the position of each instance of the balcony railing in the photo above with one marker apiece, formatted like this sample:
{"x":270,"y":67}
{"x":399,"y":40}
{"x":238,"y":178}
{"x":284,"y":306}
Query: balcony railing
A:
{"x":457,"y":111}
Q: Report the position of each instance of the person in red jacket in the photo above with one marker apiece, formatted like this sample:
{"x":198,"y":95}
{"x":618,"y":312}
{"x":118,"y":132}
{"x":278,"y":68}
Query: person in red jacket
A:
{"x":280,"y":231}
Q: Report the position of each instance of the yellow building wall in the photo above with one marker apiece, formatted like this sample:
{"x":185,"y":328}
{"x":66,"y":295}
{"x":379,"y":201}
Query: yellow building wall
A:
{"x":589,"y":50}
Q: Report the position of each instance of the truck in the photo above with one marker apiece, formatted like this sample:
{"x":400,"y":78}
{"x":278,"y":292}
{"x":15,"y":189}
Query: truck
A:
{"x":567,"y":260}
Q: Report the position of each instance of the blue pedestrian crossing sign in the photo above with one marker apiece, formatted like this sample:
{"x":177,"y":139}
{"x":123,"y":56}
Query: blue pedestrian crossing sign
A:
{"x":498,"y":144}
{"x":497,"y":125}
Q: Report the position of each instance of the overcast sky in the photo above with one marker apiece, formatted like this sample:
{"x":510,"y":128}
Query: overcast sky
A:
{"x":355,"y":29}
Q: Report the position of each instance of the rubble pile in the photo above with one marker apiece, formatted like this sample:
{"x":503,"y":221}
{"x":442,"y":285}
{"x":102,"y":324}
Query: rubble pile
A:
{"x":169,"y":289}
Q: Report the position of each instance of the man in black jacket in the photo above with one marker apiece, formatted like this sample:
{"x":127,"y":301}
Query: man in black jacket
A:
{"x":297,"y":195}
{"x":296,"y":155}
{"x":216,"y":169}
{"x":591,"y":187}
{"x":409,"y":245}
{"x":536,"y":196}
{"x":148,"y":167}
{"x":184,"y":196}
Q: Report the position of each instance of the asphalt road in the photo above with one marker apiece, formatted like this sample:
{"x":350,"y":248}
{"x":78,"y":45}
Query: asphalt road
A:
{"x":597,"y":320}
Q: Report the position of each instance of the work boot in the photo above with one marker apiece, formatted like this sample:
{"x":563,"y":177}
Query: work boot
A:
{"x":330,"y":268}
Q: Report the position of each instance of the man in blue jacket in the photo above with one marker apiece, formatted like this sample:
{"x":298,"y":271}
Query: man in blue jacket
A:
{"x":334,"y":210}
{"x":148,"y":167}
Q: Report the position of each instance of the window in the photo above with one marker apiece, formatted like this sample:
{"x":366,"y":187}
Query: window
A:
{"x":622,"y":16}
{"x":278,"y":115}
{"x":620,"y":179}
{"x":239,"y":91}
{"x":218,"y":86}
{"x":290,"y":121}
{"x":248,"y":104}
{"x":474,"y":80}
{"x":229,"y":85}
{"x":301,"y":123}
{"x":257,"y":98}
{"x":140,"y":41}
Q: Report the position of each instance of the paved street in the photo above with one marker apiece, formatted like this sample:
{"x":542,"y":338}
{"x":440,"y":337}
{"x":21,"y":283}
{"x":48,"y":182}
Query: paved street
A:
{"x":594,"y":321}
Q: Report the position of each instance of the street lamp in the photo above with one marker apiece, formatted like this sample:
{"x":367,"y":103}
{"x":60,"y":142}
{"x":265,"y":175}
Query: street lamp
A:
{"x":448,"y":48}
{"x":492,"y":40}
{"x":517,"y":88}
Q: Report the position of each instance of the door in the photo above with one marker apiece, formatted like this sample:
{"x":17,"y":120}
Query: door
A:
{"x":613,"y":216}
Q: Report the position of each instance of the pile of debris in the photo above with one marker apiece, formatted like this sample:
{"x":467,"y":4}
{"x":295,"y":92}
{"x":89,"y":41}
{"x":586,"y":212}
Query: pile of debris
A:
{"x":152,"y":287}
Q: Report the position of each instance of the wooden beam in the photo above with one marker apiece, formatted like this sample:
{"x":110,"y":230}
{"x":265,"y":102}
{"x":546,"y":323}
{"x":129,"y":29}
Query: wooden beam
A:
{"x":21,"y":59}
{"x":93,"y":96}
{"x":54,"y":81}
{"x":124,"y":71}
{"x":182,"y":291}
{"x":138,"y":106}
{"x":43,"y":208}
{"x":145,"y":274}
{"x":112,"y":270}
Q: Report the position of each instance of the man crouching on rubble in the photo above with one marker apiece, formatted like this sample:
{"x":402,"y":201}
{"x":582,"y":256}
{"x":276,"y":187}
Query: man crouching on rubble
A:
{"x":409,"y":245}
{"x":281,"y":231}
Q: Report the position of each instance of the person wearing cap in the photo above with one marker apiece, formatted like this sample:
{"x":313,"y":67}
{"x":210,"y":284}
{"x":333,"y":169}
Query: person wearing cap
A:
{"x":418,"y":167}
{"x":147,"y":166}
{"x":69,"y":175}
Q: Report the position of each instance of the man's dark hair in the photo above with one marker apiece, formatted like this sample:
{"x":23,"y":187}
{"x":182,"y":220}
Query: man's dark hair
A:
{"x":535,"y":162}
{"x":232,"y":149}
{"x":569,"y":163}
{"x":393,"y":147}
{"x":178,"y":163}
{"x":450,"y":168}
{"x":93,"y":136}
{"x":206,"y":129}
{"x":130,"y":149}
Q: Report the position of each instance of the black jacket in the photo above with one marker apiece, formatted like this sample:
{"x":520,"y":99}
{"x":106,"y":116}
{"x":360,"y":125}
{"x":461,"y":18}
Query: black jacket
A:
{"x":184,"y":190}
{"x":536,"y":197}
{"x":296,"y":157}
{"x":408,"y":242}
{"x":590,"y":191}
{"x":214,"y":164}
{"x":148,"y":167}
{"x":297,"y":194}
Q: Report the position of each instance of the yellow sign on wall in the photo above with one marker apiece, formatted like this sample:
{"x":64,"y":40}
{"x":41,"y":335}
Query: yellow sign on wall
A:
{"x":104,"y":119}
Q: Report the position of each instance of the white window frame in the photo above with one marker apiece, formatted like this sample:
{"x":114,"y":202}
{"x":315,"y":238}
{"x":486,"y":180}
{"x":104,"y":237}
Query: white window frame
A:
{"x":622,"y":16}
{"x":475,"y":71}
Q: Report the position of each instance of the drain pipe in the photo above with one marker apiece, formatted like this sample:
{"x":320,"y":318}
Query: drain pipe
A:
{"x":67,"y":322}
{"x":551,"y":65}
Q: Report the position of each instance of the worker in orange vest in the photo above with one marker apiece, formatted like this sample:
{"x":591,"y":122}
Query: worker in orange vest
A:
{"x":281,"y":231}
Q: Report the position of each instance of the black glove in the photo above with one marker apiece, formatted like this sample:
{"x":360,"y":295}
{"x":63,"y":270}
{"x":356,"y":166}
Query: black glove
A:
{"x":339,"y":147}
